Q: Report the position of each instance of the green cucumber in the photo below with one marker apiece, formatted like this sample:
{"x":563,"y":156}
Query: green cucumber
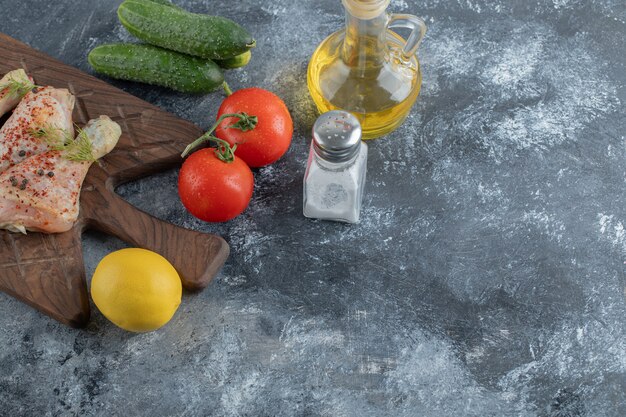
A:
{"x":210,"y":37}
{"x":152,"y":65}
{"x":236,"y":61}
{"x":167,"y":3}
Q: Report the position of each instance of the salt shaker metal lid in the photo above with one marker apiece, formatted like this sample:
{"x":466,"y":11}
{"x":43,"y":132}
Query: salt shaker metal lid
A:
{"x":337,"y":136}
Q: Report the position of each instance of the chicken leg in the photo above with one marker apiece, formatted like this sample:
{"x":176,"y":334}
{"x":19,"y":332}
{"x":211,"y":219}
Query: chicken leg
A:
{"x":13,"y":86}
{"x":48,"y":109}
{"x":42,"y":193}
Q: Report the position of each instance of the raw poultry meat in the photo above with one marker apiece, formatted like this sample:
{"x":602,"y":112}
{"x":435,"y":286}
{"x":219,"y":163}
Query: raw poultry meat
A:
{"x":13,"y":86}
{"x":44,"y":108}
{"x":42,"y":193}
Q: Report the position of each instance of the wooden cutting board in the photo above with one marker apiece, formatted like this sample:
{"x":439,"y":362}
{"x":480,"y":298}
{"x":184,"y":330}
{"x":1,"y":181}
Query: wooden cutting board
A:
{"x":46,"y":271}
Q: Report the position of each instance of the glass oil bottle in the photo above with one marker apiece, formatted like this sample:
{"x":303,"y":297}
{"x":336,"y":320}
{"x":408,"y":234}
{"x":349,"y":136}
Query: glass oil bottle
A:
{"x":368,"y":69}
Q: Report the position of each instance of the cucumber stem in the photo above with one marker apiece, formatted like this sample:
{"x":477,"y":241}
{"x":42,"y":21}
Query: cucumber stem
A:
{"x":227,"y":89}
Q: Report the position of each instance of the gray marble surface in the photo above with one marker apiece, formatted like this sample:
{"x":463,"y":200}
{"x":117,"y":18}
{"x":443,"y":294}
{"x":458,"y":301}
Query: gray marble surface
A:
{"x":487,"y":277}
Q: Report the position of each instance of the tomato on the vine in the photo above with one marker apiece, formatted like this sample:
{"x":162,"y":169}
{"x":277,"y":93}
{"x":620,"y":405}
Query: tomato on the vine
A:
{"x":214,"y":189}
{"x":269,"y":139}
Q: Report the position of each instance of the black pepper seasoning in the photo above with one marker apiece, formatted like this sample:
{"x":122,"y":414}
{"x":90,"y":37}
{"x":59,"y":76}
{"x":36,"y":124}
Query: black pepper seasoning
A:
{"x":13,"y":181}
{"x":51,"y":174}
{"x":40,"y":172}
{"x":22,"y":153}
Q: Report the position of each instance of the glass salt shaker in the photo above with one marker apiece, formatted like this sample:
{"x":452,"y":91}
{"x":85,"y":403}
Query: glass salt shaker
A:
{"x":335,"y":174}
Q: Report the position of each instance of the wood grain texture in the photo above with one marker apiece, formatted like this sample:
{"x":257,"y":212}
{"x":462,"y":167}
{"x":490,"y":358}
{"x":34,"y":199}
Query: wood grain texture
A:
{"x":47,"y":271}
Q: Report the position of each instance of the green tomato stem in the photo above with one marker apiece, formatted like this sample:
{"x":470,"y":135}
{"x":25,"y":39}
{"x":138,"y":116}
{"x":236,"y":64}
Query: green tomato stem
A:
{"x":225,"y":152}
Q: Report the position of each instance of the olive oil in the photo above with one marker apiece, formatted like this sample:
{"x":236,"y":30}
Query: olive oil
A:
{"x":367,"y":69}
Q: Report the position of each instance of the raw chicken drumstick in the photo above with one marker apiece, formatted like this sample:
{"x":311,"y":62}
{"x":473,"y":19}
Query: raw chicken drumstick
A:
{"x":42,"y":193}
{"x":13,"y":86}
{"x":47,"y":109}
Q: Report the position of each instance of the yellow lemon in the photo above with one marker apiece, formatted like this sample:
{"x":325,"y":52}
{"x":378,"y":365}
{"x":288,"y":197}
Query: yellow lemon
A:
{"x":138,"y":290}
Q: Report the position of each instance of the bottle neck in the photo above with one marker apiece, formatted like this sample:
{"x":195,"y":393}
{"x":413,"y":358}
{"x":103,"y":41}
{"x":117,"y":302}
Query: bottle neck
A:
{"x":365,"y":43}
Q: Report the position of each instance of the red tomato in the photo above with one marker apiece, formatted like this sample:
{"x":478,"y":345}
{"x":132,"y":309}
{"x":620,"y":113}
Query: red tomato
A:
{"x":214,"y":190}
{"x":271,"y":137}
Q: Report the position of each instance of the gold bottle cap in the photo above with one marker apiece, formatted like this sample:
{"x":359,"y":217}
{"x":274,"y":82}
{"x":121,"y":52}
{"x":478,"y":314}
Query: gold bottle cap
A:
{"x":366,"y":9}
